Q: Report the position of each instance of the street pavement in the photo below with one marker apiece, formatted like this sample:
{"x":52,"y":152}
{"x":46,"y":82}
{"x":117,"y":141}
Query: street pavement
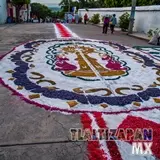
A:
{"x":95,"y":32}
{"x":31,"y":133}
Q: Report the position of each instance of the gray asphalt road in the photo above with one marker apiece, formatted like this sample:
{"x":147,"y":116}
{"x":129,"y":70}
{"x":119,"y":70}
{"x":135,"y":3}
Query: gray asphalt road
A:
{"x":94,"y":32}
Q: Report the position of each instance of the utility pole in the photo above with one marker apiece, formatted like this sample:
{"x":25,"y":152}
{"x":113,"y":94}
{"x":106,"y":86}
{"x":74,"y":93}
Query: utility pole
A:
{"x":132,"y":16}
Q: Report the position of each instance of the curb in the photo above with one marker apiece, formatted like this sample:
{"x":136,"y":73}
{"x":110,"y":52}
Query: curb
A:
{"x":97,"y":25}
{"x":131,"y":35}
{"x":139,"y":37}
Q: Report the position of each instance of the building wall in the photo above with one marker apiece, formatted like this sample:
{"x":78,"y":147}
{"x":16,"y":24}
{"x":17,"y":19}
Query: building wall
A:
{"x":3,"y":11}
{"x":146,"y":17}
{"x":22,"y":14}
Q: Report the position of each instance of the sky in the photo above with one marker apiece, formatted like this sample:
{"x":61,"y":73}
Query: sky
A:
{"x":48,"y":2}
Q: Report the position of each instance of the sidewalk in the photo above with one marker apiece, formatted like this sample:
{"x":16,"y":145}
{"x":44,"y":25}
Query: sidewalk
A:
{"x":5,"y":26}
{"x":142,"y":36}
{"x":101,"y":25}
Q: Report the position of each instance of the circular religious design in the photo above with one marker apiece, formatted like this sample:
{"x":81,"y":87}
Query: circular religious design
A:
{"x":76,"y":75}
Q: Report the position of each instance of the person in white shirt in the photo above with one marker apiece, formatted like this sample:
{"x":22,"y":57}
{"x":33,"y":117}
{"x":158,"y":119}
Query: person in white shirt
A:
{"x":77,"y":18}
{"x":70,"y":17}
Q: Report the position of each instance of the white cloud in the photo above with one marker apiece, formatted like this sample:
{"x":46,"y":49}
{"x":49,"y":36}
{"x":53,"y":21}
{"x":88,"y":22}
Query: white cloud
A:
{"x":47,"y":1}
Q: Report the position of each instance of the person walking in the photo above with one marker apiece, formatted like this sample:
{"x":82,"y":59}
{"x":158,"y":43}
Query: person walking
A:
{"x":106,"y":24}
{"x":113,"y":22}
{"x":85,"y":18}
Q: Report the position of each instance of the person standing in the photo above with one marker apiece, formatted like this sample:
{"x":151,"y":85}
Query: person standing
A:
{"x":32,"y":19}
{"x":73,"y":18}
{"x":85,"y":18}
{"x":113,"y":22}
{"x":106,"y":24}
{"x":76,"y":18}
{"x":66,"y":18}
{"x":70,"y":18}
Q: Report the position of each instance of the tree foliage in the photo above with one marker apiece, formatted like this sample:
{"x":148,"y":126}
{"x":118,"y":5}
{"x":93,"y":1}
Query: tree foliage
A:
{"x":157,"y":2}
{"x":95,"y":19}
{"x":124,"y":21}
{"x":41,"y":11}
{"x":105,"y":3}
{"x":66,"y":3}
{"x":20,"y":2}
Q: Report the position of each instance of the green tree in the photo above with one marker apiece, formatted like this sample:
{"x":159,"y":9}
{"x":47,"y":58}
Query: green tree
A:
{"x":41,"y":11}
{"x":124,"y":21}
{"x":18,"y":5}
{"x":144,"y":2}
{"x":118,"y":3}
{"x":105,"y":3}
{"x":109,"y":3}
{"x":95,"y":19}
{"x":156,"y":2}
{"x":64,"y":5}
{"x":126,"y":3}
{"x":82,"y":3}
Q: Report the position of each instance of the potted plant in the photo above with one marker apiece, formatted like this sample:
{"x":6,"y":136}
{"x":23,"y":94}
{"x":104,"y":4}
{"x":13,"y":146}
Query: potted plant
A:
{"x":95,"y":19}
{"x":124,"y":21}
{"x":152,"y":32}
{"x":154,"y":36}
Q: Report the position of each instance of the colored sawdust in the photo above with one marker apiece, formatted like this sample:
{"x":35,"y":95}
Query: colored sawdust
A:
{"x":33,"y":96}
{"x":10,"y":71}
{"x":20,"y":87}
{"x":99,"y":89}
{"x":78,"y":90}
{"x":86,"y":71}
{"x":11,"y":79}
{"x":137,"y":104}
{"x":104,"y":105}
{"x":72,"y":103}
{"x":157,"y":100}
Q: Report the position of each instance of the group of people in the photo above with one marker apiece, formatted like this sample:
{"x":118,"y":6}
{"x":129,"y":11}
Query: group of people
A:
{"x":72,"y":18}
{"x":109,"y":22}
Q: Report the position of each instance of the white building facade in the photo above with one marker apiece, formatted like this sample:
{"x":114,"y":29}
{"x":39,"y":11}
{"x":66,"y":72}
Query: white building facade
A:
{"x":146,"y":17}
{"x":3,"y":11}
